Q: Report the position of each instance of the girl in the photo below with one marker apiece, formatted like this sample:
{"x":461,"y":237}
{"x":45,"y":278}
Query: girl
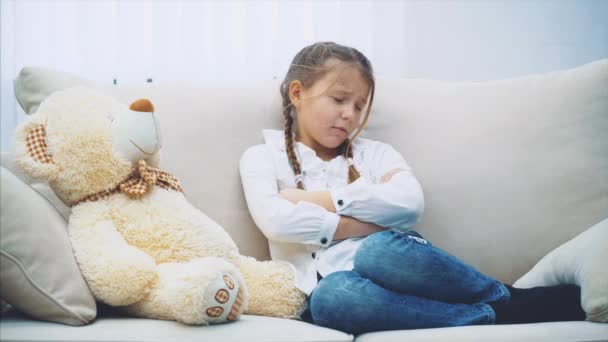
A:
{"x":341,"y":209}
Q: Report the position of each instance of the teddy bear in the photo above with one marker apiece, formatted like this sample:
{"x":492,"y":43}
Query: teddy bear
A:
{"x":139,"y":243}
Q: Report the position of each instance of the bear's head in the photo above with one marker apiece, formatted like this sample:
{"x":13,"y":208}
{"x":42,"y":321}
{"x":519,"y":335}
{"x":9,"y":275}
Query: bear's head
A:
{"x":84,"y":142}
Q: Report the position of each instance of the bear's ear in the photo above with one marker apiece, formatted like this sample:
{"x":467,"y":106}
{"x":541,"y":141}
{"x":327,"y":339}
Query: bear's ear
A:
{"x":31,"y":151}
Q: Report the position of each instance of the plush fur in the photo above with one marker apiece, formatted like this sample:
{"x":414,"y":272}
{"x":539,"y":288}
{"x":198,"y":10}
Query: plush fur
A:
{"x":156,"y":256}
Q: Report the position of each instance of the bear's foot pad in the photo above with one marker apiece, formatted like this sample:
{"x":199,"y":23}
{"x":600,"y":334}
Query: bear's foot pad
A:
{"x":229,"y":296}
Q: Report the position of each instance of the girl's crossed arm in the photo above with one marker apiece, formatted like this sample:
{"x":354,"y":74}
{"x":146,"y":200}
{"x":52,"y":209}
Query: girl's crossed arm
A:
{"x":282,"y":220}
{"x":396,"y":201}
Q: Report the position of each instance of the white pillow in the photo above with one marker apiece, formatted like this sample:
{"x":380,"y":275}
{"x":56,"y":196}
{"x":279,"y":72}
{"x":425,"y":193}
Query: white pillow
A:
{"x":581,"y":261}
{"x":38,"y":273}
{"x":42,"y":187}
{"x":35,"y":84}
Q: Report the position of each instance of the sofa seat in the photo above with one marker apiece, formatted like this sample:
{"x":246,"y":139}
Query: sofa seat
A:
{"x":554,"y":332}
{"x":15,"y":327}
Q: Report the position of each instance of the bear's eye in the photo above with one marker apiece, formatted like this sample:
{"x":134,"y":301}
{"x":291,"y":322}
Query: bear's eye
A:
{"x":110,"y":117}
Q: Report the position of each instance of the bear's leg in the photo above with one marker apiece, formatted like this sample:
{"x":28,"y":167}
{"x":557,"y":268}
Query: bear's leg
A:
{"x":201,"y":291}
{"x":272,"y":290}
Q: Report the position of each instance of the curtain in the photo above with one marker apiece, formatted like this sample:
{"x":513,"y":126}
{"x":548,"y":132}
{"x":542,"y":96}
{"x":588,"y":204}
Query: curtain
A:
{"x":136,"y":41}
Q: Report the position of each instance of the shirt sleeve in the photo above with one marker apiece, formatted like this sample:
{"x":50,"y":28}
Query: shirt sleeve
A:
{"x":396,"y":204}
{"x":278,"y":218}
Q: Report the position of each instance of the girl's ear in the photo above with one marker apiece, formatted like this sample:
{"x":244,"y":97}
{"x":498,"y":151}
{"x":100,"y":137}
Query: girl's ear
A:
{"x":295,"y":92}
{"x":31,"y":151}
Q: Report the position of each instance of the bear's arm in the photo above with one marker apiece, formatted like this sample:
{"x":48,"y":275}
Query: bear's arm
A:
{"x":117,"y":273}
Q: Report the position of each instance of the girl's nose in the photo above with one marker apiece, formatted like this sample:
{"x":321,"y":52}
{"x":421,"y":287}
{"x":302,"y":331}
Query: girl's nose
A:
{"x":348,"y":113}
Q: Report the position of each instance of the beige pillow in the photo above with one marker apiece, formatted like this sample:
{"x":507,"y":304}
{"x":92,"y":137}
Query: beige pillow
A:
{"x":580,"y":261}
{"x":38,"y":273}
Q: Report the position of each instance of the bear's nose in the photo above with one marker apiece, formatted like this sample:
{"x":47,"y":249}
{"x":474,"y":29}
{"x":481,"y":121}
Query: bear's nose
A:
{"x":142,"y":105}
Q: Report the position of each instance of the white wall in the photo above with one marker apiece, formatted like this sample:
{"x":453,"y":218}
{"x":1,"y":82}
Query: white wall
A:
{"x":490,"y":39}
{"x":8,"y":108}
{"x":233,"y":41}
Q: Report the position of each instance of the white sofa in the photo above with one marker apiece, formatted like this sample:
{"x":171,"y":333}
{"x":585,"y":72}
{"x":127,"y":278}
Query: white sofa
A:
{"x":511,"y":169}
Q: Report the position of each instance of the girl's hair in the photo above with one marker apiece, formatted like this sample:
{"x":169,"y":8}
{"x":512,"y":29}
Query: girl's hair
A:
{"x":308,"y":67}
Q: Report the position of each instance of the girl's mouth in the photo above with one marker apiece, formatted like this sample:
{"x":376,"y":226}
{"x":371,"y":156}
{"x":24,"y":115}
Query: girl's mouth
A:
{"x":343,"y":130}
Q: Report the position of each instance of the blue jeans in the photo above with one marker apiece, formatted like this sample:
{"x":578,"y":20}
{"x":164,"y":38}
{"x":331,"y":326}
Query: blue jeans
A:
{"x":401,"y":281}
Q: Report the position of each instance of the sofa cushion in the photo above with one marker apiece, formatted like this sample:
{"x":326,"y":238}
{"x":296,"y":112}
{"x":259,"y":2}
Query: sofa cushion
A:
{"x":511,"y":168}
{"x":247,"y":328}
{"x":555,"y":332}
{"x":38,"y":273}
{"x":580,"y":261}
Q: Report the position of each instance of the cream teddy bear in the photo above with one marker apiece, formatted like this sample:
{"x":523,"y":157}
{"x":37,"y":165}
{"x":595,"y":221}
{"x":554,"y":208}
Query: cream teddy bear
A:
{"x":138,"y":242}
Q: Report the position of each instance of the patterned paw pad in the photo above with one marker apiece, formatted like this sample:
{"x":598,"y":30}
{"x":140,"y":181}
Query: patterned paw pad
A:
{"x":222,"y":296}
{"x":215,"y":311}
{"x":226,"y":298}
{"x":228,"y":282}
{"x":236,"y":306}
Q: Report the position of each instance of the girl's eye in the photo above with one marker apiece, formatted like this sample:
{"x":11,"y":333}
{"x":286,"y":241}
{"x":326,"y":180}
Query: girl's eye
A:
{"x":358,"y":109}
{"x":338,"y":100}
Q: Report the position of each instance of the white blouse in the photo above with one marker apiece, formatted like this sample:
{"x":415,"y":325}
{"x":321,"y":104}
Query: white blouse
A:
{"x":302,"y":234}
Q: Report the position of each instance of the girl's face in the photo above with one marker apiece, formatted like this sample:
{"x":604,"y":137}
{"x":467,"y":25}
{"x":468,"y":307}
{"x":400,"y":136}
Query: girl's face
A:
{"x":329,"y":110}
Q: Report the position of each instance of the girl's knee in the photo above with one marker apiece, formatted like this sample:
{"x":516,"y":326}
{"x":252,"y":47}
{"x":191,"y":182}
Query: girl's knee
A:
{"x":344,"y":301}
{"x":388,"y":250}
{"x":329,"y":298}
{"x":376,"y":242}
{"x":326,"y":288}
{"x":373,"y":250}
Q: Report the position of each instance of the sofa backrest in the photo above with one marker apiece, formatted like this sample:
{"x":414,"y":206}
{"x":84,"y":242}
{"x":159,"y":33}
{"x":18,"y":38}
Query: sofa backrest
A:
{"x":510,"y":168}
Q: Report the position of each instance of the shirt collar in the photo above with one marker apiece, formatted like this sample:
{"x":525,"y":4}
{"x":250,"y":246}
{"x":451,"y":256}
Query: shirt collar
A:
{"x":307,"y":156}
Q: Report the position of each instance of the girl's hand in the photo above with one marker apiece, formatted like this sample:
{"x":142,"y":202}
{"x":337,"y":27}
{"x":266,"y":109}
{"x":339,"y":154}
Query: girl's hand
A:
{"x":387,"y":177}
{"x":349,"y":227}
{"x":321,"y":198}
{"x":293,"y":195}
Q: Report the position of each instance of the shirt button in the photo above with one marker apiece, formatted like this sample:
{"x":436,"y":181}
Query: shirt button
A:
{"x":323,"y":240}
{"x":340,"y":202}
{"x":314,"y":255}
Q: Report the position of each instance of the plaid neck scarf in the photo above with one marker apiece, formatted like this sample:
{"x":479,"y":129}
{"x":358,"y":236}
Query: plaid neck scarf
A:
{"x":139,"y":183}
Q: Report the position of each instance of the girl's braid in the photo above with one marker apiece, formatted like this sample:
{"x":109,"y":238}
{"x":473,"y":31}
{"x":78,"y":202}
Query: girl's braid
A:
{"x":291,"y":154}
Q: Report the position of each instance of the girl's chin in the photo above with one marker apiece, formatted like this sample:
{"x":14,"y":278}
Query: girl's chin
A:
{"x":333,"y":142}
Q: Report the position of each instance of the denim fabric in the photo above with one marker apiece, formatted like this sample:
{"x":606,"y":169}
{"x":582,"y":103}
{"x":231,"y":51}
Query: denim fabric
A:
{"x":402,"y":281}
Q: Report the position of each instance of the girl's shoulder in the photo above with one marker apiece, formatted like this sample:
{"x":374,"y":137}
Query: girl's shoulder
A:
{"x":376,"y":155}
{"x":273,"y":140}
{"x":255,"y":155}
{"x":265,"y":153}
{"x":368,"y":146}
